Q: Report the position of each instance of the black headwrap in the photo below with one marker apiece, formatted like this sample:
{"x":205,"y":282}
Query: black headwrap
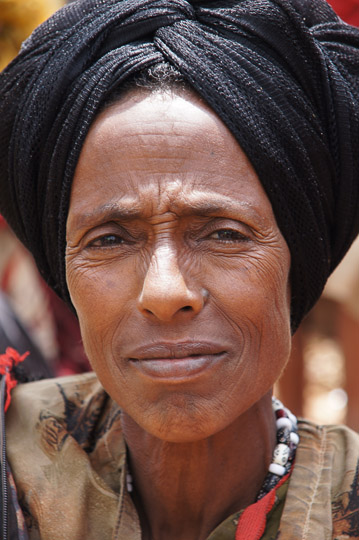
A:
{"x":282,"y":74}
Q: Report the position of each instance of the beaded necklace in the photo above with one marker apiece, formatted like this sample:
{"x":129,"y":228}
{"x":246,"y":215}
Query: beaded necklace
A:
{"x":283,"y":454}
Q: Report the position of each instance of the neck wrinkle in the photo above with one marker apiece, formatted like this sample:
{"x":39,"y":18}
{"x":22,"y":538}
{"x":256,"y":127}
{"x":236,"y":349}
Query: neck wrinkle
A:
{"x":185,"y":490}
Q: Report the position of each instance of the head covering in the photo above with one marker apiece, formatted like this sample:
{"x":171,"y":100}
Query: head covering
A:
{"x":283,"y":75}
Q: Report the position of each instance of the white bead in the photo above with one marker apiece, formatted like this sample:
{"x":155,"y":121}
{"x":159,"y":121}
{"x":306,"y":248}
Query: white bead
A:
{"x":274,"y":468}
{"x":281,"y":454}
{"x":277,"y":404}
{"x":129,"y":482}
{"x":291,"y":417}
{"x":284,"y":422}
{"x":294,"y":438}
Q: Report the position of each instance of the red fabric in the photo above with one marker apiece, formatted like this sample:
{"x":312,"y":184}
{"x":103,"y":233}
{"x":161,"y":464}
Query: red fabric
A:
{"x":348,"y":10}
{"x":252,"y":522}
{"x":7,"y":361}
{"x":8,"y":271}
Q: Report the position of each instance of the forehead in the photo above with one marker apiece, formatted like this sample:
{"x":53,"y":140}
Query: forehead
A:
{"x":164,"y":150}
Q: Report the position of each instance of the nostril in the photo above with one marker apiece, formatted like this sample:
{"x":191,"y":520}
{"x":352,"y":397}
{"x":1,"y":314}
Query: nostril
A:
{"x":186,"y":308}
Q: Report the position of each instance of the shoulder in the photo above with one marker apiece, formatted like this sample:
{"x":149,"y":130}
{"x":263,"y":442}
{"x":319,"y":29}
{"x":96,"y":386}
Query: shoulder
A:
{"x":340,"y":470}
{"x":323,"y":494}
{"x":332,"y":439}
{"x":66,"y":450}
{"x":334,"y":450}
{"x":50,"y":392}
{"x":46,"y":412}
{"x":330,"y":452}
{"x":48,"y":388}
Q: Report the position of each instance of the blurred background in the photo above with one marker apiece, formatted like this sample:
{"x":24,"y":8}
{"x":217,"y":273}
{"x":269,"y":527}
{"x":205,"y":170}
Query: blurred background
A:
{"x":322,"y":378}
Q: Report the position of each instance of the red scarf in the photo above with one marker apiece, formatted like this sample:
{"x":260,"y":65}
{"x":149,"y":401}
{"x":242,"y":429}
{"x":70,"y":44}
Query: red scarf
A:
{"x":252,"y":522}
{"x":8,"y":360}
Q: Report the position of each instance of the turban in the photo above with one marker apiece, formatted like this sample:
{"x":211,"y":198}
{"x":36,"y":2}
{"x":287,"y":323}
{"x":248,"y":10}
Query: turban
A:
{"x":283,"y":75}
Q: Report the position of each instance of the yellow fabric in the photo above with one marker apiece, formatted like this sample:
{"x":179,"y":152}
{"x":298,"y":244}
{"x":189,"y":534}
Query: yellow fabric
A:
{"x":18,"y":18}
{"x":68,"y":457}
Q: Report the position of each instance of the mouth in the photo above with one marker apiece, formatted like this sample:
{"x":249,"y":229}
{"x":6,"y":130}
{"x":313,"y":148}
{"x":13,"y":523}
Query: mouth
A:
{"x":176,"y":361}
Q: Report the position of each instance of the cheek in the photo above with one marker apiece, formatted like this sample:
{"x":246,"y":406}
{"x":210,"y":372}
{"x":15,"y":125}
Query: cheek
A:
{"x":101,"y":304}
{"x":256,"y":290}
{"x":255,"y":300}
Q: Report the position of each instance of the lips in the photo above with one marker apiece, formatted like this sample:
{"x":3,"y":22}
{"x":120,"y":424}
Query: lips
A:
{"x":176,"y":360}
{"x":174,"y":350}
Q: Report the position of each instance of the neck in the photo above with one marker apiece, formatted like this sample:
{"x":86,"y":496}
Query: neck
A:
{"x":184,"y":490}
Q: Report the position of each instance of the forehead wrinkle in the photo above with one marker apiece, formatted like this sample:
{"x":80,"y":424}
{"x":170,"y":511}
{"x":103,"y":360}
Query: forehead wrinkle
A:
{"x":110,"y":211}
{"x":142,"y":207}
{"x":171,"y":147}
{"x":212,"y":204}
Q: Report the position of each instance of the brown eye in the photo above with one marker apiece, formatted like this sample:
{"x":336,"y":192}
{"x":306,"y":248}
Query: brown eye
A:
{"x":228,"y":235}
{"x":108,"y":240}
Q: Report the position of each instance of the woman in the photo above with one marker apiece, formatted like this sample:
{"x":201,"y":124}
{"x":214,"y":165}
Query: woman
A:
{"x":186,"y":176}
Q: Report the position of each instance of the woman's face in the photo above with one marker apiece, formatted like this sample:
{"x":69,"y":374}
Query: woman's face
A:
{"x":176,"y":267}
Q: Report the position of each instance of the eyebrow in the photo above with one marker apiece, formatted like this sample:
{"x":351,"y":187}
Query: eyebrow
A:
{"x":132,"y":210}
{"x":108,"y":212}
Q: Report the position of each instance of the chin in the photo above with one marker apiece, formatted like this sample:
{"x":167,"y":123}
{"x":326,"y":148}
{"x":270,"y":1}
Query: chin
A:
{"x":182,"y":423}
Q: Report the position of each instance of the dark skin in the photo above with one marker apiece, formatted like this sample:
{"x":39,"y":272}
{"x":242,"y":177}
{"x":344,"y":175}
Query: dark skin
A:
{"x":180,"y":278}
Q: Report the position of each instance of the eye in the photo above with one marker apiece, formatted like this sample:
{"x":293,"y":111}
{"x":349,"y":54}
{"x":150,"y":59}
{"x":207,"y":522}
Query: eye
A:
{"x":106,"y":241}
{"x":228,"y":235}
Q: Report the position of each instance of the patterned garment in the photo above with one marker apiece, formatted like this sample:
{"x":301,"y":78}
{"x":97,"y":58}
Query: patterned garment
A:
{"x":68,"y":457}
{"x":16,"y":525}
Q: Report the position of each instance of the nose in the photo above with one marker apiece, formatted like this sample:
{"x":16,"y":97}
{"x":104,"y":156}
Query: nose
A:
{"x":165,"y":292}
